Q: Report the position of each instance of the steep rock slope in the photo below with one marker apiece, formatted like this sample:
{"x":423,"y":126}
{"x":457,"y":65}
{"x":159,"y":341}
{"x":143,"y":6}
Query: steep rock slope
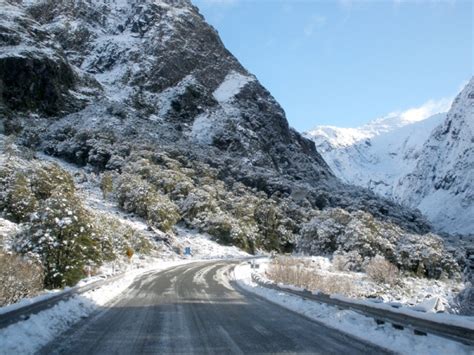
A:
{"x":425,"y":164}
{"x":160,"y":63}
{"x":153,"y":74}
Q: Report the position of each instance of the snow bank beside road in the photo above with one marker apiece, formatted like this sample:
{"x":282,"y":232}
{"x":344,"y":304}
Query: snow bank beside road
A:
{"x":401,"y":341}
{"x":29,"y":336}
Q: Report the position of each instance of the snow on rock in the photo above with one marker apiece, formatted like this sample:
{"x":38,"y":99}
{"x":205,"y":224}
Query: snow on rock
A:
{"x":373,"y":157}
{"x":202,"y":130}
{"x":399,"y":341}
{"x":431,"y":305}
{"x":154,"y":74}
{"x":231,"y":86}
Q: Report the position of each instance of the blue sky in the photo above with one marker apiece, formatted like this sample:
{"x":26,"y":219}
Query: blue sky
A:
{"x":346,"y":62}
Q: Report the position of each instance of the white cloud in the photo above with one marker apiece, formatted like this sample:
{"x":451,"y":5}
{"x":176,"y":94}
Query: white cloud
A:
{"x":429,"y":108}
{"x":316,"y":22}
{"x":346,"y":4}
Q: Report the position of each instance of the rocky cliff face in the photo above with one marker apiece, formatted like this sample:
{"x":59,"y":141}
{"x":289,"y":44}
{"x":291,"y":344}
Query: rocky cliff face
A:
{"x":100,"y":79}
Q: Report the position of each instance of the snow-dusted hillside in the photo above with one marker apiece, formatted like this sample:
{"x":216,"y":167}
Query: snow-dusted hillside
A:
{"x":423,"y":161}
{"x":372,"y":157}
{"x":442,"y":183}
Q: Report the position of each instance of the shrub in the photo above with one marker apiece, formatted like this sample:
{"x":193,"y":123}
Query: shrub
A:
{"x":382,"y":271}
{"x":464,"y":301}
{"x":116,"y":236}
{"x":50,"y":177}
{"x":351,"y":261}
{"x":19,"y":278}
{"x":300,"y":273}
{"x":161,"y":212}
{"x":337,"y":230}
{"x":106,"y":184}
{"x":21,"y":201}
{"x":425,"y":256}
{"x":64,"y":237}
{"x":138,"y":196}
{"x":290,"y":271}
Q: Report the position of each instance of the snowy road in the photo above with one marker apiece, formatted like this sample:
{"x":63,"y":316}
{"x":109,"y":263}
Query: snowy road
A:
{"x":194,"y":308}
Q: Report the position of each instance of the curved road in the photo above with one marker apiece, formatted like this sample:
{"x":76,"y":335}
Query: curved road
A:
{"x":195,"y":309}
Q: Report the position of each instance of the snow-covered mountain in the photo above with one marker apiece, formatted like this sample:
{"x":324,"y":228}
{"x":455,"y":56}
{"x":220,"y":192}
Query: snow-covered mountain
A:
{"x":375,"y":155}
{"x":442,"y":183}
{"x":422,"y":162}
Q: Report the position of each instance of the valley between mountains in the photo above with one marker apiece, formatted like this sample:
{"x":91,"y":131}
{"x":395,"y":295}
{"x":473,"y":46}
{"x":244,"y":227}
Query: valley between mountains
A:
{"x":133,"y":143}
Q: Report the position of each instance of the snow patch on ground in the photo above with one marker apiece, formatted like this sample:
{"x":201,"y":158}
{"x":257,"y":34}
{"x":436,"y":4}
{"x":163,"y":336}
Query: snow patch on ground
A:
{"x":400,"y":341}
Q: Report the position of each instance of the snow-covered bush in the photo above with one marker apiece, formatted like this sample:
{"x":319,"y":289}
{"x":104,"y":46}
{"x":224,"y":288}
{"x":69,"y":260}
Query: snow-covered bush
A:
{"x":382,"y":271}
{"x":228,"y":210}
{"x":106,"y":184}
{"x":116,"y":237}
{"x":425,"y":255}
{"x":55,"y":227}
{"x":19,"y":278}
{"x":347,"y":261}
{"x":230,"y":230}
{"x":21,"y":201}
{"x":464,"y":301}
{"x":64,"y":238}
{"x":337,"y":230}
{"x":320,"y":235}
{"x":162,"y":212}
{"x":197,"y":202}
{"x":49,"y":177}
{"x":24,"y":188}
{"x":138,"y":196}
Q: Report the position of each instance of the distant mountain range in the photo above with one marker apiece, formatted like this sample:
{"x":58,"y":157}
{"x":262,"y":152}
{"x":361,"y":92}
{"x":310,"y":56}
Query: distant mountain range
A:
{"x":425,"y":163}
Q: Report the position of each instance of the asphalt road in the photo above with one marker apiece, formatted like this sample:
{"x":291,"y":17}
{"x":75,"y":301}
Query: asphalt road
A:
{"x":195,"y":309}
